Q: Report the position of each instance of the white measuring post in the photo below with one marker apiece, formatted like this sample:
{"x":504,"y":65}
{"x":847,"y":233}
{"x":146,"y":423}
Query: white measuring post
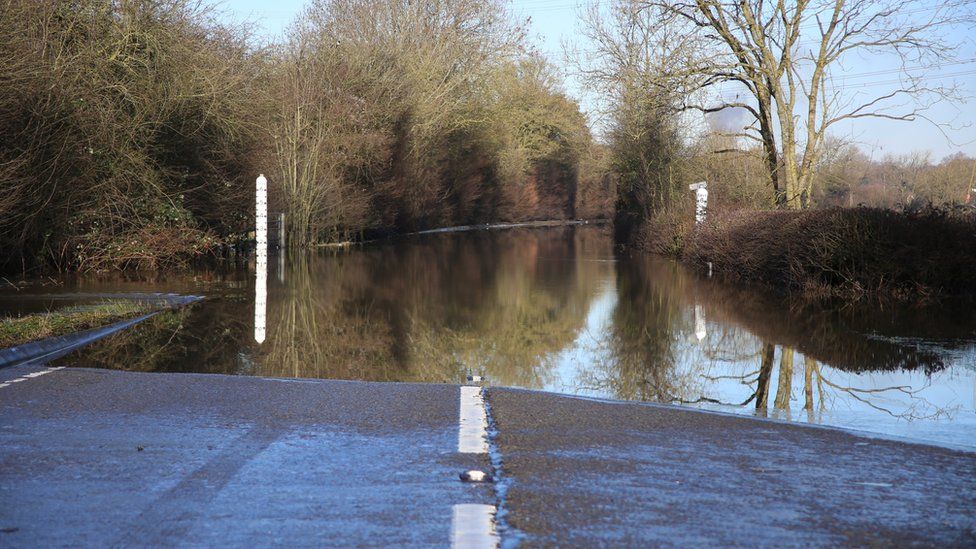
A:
{"x":701,"y":200}
{"x":261,"y":213}
{"x":261,"y":277}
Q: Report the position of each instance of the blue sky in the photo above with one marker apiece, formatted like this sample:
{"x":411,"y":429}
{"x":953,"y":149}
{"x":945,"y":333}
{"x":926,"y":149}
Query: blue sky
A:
{"x":553,"y":21}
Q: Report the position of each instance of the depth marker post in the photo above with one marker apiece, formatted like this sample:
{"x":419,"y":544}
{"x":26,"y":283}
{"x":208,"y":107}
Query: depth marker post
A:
{"x":261,"y":277}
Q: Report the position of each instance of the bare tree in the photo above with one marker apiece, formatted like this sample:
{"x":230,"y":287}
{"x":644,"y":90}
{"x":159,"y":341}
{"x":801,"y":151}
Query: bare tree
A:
{"x":322,"y":136}
{"x":369,"y":91}
{"x":786,"y":58}
{"x":634,"y":70}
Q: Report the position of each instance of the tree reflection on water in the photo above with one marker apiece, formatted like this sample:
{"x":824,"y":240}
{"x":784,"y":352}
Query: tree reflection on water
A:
{"x":657,"y":351}
{"x":553,"y":308}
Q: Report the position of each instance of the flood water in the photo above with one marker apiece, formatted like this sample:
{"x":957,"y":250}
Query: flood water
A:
{"x":554,"y":309}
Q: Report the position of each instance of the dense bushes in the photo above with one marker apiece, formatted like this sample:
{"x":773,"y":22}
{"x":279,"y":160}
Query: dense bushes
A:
{"x":123,"y":139}
{"x":847,"y":253}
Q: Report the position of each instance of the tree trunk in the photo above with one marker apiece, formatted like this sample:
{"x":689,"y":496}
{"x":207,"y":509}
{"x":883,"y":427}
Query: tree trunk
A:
{"x":809,"y":364}
{"x":785,"y":385}
{"x":765,"y":371}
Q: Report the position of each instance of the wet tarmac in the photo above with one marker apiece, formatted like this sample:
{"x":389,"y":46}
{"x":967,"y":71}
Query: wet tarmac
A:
{"x":589,"y":473}
{"x":102,"y":458}
{"x":98,"y":457}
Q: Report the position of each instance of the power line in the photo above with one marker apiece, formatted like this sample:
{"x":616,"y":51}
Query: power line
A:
{"x":899,"y":81}
{"x":884,"y":71}
{"x":559,"y":5}
{"x":908,"y":69}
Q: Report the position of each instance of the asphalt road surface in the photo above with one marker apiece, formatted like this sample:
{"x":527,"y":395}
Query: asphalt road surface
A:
{"x":589,"y":473}
{"x":98,"y":457}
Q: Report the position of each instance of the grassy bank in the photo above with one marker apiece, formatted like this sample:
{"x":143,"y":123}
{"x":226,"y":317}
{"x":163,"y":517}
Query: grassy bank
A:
{"x":833,"y":253}
{"x":19,"y":330}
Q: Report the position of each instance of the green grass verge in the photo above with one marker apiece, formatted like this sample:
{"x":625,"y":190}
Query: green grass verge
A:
{"x":19,"y":330}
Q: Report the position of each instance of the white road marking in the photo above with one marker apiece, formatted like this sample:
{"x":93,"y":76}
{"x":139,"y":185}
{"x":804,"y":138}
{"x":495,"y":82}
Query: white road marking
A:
{"x":473,"y":422}
{"x":473,"y":525}
{"x":31,"y":375}
{"x":875,"y":484}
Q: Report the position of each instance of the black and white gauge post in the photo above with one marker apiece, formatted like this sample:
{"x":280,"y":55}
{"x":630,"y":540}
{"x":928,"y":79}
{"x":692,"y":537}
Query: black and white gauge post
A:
{"x":261,"y":276}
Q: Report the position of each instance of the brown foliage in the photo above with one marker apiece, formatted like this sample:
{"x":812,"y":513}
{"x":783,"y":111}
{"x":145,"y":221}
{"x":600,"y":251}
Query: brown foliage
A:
{"x":448,"y":122}
{"x":123,"y":141}
{"x":667,"y":231}
{"x":846,"y":253}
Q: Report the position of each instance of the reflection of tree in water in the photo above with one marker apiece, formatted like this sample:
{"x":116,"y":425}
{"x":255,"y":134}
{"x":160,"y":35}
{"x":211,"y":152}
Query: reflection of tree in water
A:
{"x":203,"y":337}
{"x":432,"y":310}
{"x":317,"y":326}
{"x":850,"y":338}
{"x":537,"y":305}
{"x":641,"y":360}
{"x":150,"y":345}
{"x":506,"y":303}
{"x":855,"y":339}
{"x":818,"y":390}
{"x":651,"y":354}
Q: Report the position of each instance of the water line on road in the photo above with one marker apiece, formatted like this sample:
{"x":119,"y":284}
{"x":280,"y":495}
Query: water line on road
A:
{"x":512,"y":536}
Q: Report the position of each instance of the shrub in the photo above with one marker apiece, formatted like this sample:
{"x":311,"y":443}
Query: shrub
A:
{"x":846,"y":253}
{"x":118,"y":120}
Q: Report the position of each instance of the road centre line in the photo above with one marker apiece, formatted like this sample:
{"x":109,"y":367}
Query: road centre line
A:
{"x":31,"y":375}
{"x":473,"y":422}
{"x":473,"y":525}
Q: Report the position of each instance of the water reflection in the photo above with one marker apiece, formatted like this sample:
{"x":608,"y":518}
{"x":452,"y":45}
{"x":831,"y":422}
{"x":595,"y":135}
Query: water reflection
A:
{"x":261,"y":292}
{"x":700,"y":331}
{"x":554,"y":309}
{"x":867,"y":368}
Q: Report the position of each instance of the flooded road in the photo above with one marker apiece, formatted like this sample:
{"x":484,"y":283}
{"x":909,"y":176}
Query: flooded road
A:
{"x":553,"y":309}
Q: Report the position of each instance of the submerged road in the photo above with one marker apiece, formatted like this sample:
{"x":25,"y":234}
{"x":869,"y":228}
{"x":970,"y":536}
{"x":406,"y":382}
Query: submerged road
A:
{"x":98,"y":457}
